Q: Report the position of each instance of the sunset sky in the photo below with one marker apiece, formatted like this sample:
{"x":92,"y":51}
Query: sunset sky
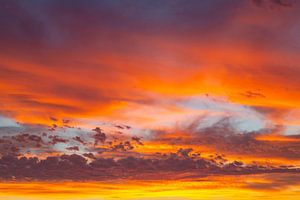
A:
{"x":149,"y":99}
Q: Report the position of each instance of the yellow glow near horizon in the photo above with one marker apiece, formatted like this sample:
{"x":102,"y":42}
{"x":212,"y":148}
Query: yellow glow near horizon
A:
{"x":217,"y":187}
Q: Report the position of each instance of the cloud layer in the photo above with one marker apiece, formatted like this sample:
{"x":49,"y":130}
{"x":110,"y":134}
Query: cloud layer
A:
{"x":107,"y":88}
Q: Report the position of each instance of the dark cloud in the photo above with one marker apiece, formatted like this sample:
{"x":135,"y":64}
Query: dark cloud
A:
{"x":27,"y":137}
{"x":76,"y":167}
{"x":7,"y":147}
{"x":57,"y":139}
{"x":39,"y":139}
{"x":119,"y":160}
{"x":100,"y":136}
{"x":221,"y":136}
{"x":225,"y":138}
{"x":122,"y":146}
{"x":21,"y":143}
{"x":138,"y":140}
{"x":184,"y":152}
{"x":78,"y":139}
{"x":246,"y":144}
{"x":122,"y":126}
{"x":53,"y":119}
{"x":73,"y":148}
{"x":250,"y":94}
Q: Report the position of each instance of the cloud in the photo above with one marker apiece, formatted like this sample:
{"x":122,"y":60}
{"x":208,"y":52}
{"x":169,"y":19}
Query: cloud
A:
{"x":224,"y":137}
{"x":42,"y":140}
{"x":99,"y":136}
{"x":175,"y":74}
{"x":270,"y":182}
{"x":56,"y":139}
{"x":52,"y":43}
{"x":251,"y":94}
{"x":73,"y":148}
{"x":76,"y":167}
{"x":78,"y":139}
{"x":201,"y":134}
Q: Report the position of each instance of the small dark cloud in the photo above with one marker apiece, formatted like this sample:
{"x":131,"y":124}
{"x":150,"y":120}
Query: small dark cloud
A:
{"x":138,"y":140}
{"x":56,"y":139}
{"x":184,"y":152}
{"x":100,"y":136}
{"x":122,"y":126}
{"x":78,"y":139}
{"x":53,"y":119}
{"x":122,"y":146}
{"x":251,"y":94}
{"x":119,"y":126}
{"x":73,"y":148}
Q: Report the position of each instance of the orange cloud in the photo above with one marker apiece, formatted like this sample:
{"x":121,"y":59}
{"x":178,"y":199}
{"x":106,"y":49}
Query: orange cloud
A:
{"x":170,"y":71}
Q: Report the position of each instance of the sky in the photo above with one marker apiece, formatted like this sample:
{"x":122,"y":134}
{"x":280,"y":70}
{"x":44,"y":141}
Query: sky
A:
{"x":157,"y":98}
